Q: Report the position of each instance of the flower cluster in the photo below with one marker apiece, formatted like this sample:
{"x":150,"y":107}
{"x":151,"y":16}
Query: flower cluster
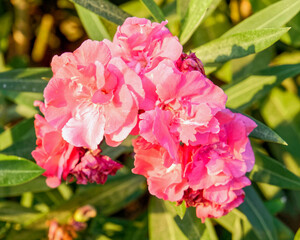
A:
{"x":190,"y":147}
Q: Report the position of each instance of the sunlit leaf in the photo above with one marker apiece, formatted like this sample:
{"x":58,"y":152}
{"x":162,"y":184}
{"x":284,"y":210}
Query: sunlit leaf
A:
{"x":164,"y":223}
{"x":281,"y":112}
{"x":238,"y":45}
{"x":155,"y":11}
{"x":275,"y":15}
{"x":15,"y":170}
{"x":182,"y":8}
{"x":297,"y":236}
{"x":92,"y":24}
{"x":104,"y":9}
{"x":20,"y":131}
{"x":195,"y":13}
{"x":243,"y":93}
{"x":180,"y":210}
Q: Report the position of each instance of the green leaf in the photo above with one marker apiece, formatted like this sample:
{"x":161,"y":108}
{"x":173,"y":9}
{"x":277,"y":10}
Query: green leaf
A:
{"x":164,"y":223}
{"x":293,"y":37}
{"x":182,"y":8}
{"x":281,"y":112}
{"x":238,"y":45}
{"x":35,"y":185}
{"x":180,"y":210}
{"x":22,"y":148}
{"x":104,"y":9}
{"x":18,"y":132}
{"x":114,"y":152}
{"x":259,"y":217}
{"x":155,"y":11}
{"x":24,"y":98}
{"x":263,"y":132}
{"x":127,"y":188}
{"x":92,"y":24}
{"x":273,"y":16}
{"x":275,"y":205}
{"x":243,"y":93}
{"x":268,"y":170}
{"x":283,"y":231}
{"x":13,"y":212}
{"x":25,"y":80}
{"x":211,"y":230}
{"x":297,"y":236}
{"x":15,"y":170}
{"x":196,"y":12}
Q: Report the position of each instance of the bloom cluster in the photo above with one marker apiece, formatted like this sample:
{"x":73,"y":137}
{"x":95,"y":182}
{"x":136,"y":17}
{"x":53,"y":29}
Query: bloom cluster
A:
{"x":190,"y":147}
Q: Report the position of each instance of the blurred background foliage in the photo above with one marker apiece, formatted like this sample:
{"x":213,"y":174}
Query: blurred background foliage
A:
{"x":33,"y":31}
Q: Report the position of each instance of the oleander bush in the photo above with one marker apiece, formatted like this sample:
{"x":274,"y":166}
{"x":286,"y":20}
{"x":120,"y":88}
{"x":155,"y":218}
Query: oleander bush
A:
{"x":200,"y":97}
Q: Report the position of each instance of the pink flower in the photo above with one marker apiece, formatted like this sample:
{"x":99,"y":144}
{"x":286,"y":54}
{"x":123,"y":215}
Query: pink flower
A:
{"x":208,"y":176}
{"x":142,"y":44}
{"x":164,"y":178}
{"x":92,"y":95}
{"x":53,"y":153}
{"x":62,"y":160}
{"x":94,"y":167}
{"x":185,"y":108}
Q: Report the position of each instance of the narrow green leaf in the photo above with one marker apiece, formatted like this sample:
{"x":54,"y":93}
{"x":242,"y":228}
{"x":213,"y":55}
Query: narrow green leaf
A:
{"x":164,"y":223}
{"x":259,"y":217}
{"x":92,"y":24}
{"x":22,"y":148}
{"x":182,"y":8}
{"x":211,"y":229}
{"x":18,"y":132}
{"x":263,"y":132}
{"x":25,"y":99}
{"x":126,"y":187}
{"x":13,"y":212}
{"x":196,"y":12}
{"x":283,"y":231}
{"x":25,"y":80}
{"x":281,"y":112}
{"x":228,"y":221}
{"x":35,"y":185}
{"x":238,"y":45}
{"x":15,"y":170}
{"x":243,"y":93}
{"x":155,"y":11}
{"x":104,"y":9}
{"x":275,"y":15}
{"x":268,"y":170}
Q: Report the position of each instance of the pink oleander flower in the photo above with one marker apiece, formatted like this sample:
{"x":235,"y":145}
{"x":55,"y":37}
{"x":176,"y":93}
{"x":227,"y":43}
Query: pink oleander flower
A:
{"x":190,"y":62}
{"x":185,"y":108}
{"x":92,"y":94}
{"x":62,"y":160}
{"x":52,"y":153}
{"x":94,"y":167}
{"x":208,"y":176}
{"x":142,"y":44}
{"x":164,"y":178}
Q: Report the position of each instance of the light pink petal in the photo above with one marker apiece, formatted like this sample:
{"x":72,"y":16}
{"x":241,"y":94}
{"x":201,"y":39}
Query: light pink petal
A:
{"x":86,"y":129}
